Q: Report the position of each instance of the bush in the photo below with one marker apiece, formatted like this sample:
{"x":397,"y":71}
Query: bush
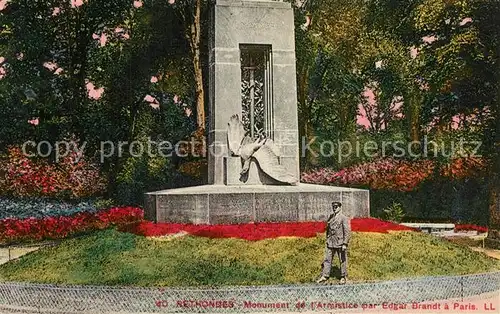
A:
{"x":144,"y":174}
{"x":104,"y":203}
{"x":382,"y":174}
{"x":50,"y":228}
{"x":73,"y":177}
{"x":394,"y":213}
{"x":41,"y":208}
{"x":439,"y":200}
{"x":428,"y":191}
{"x":396,"y":175}
{"x":194,"y":169}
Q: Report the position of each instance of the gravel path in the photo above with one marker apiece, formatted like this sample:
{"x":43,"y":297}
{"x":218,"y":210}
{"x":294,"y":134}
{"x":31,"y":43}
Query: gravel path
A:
{"x":7,"y":254}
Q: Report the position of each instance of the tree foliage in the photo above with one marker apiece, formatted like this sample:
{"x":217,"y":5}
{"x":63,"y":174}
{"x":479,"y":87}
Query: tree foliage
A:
{"x":101,"y":71}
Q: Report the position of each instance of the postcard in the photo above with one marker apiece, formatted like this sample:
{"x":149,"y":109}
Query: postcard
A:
{"x":249,"y":156}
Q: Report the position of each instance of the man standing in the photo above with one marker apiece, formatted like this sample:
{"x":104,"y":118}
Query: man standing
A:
{"x":338,"y":234}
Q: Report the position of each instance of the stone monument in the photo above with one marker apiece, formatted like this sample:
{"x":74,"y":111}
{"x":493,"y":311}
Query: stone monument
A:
{"x":253,"y":141}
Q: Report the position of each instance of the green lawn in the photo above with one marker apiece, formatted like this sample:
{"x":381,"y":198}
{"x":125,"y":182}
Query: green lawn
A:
{"x":114,"y":258}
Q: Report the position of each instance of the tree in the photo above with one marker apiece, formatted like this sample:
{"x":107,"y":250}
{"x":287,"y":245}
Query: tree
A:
{"x":489,"y":36}
{"x":191,"y":13}
{"x":49,"y":47}
{"x":329,"y":88}
{"x":464,"y":69}
{"x":96,"y":71}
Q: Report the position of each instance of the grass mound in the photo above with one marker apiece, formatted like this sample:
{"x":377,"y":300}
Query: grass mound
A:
{"x":114,"y":258}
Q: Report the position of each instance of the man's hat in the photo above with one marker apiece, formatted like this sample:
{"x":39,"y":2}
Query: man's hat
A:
{"x":338,"y":204}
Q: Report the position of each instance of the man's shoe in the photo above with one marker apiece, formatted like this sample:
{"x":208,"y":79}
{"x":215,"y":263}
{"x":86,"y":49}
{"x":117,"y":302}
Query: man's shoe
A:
{"x":322,"y":279}
{"x":343,"y":281}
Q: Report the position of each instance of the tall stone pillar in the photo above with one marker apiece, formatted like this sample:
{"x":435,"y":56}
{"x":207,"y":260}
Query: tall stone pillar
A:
{"x":236,"y":25}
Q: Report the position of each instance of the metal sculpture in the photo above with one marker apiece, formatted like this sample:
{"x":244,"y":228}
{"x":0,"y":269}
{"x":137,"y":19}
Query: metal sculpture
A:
{"x":262,"y":150}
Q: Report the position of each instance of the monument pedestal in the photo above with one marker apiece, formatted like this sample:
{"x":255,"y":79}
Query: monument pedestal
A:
{"x":220,"y":204}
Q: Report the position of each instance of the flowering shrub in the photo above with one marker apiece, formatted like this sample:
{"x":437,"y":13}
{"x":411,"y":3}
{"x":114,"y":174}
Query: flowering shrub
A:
{"x":392,"y":174}
{"x":394,"y":212}
{"x":460,"y":168}
{"x":72,"y":177}
{"x":194,"y":169}
{"x":194,"y":166}
{"x":479,"y":229}
{"x":387,"y":174}
{"x":40,"y":208}
{"x":32,"y":229}
{"x":260,"y":231}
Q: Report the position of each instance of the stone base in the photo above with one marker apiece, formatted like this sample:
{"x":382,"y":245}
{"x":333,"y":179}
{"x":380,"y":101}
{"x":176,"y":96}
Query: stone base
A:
{"x":220,"y":204}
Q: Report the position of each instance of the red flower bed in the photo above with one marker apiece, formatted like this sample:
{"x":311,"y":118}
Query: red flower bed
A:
{"x":130,"y":219}
{"x":377,"y":225}
{"x":19,"y":230}
{"x":260,"y":231}
{"x":471,"y":228}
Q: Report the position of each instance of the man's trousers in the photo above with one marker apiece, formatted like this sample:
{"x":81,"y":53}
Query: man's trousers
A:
{"x":327,"y":263}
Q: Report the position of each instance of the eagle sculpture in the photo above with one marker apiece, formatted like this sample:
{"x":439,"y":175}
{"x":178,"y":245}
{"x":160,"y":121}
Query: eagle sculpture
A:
{"x":262,"y":150}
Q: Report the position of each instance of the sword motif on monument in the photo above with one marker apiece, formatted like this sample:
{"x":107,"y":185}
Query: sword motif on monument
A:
{"x":262,"y":150}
